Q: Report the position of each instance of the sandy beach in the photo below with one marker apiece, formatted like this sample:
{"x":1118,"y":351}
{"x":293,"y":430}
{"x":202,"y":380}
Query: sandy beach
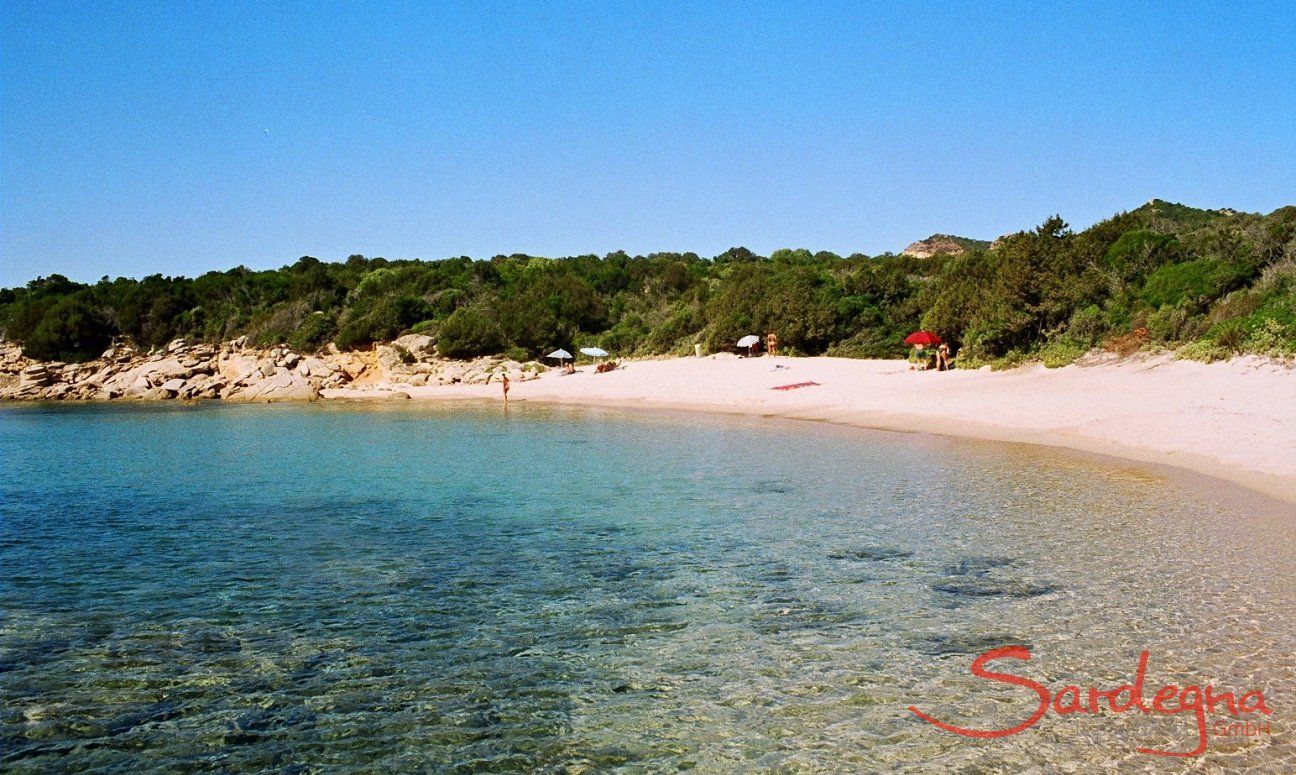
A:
{"x":1234,"y":420}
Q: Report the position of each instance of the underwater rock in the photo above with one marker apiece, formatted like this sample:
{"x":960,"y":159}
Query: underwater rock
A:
{"x":967,"y":643}
{"x":870,"y":553}
{"x":975,"y":577}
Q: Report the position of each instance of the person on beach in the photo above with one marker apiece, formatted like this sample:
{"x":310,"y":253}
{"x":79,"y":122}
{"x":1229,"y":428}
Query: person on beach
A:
{"x":505,"y":383}
{"x":771,"y":343}
{"x":942,"y":357}
{"x":917,"y":358}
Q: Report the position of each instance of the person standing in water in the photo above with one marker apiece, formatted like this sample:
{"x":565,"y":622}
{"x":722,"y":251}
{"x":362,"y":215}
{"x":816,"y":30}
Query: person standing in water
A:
{"x":505,"y":383}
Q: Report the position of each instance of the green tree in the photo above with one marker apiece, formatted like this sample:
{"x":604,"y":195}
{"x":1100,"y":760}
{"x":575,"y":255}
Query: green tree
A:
{"x":468,"y":333}
{"x":71,"y":330}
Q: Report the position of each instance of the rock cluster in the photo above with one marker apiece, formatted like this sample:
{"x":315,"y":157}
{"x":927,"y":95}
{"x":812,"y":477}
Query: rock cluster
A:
{"x":235,"y":371}
{"x":411,"y":360}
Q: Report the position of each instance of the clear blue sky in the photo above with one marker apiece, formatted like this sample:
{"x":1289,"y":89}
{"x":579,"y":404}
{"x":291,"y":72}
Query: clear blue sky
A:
{"x":177,"y":138}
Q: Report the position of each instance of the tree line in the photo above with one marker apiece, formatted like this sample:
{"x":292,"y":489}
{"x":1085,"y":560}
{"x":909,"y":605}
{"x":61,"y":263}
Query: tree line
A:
{"x":1210,"y":283}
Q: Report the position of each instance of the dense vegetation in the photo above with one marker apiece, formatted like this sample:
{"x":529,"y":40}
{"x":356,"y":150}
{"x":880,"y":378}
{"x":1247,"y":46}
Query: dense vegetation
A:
{"x":1212,"y":283}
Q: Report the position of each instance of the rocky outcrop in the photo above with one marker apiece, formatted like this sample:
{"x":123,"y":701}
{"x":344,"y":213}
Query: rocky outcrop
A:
{"x":234,"y":371}
{"x":944,"y":245}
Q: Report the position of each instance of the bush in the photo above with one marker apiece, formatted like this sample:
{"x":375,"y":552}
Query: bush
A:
{"x":376,"y":283}
{"x":626,"y":335}
{"x":869,"y":343}
{"x":468,"y":333}
{"x":314,"y":332}
{"x":1011,"y":360}
{"x":1193,"y":281}
{"x":970,"y":360}
{"x":355,"y":334}
{"x":973,"y":356}
{"x":1087,"y":325}
{"x":670,"y":333}
{"x":70,"y":330}
{"x":1173,"y":324}
{"x":1204,"y":351}
{"x":1231,"y":336}
{"x":1062,"y":351}
{"x":1140,"y":251}
{"x":1272,"y":338}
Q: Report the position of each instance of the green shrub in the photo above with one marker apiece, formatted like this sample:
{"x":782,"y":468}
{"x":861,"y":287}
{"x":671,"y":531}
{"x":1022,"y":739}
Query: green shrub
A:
{"x":1062,"y":351}
{"x":869,"y":343}
{"x":1202,"y":350}
{"x":973,"y":356}
{"x":626,"y":335}
{"x":970,"y":360}
{"x":1087,"y":325}
{"x":670,"y":333}
{"x":1192,"y":281}
{"x":72,"y":329}
{"x":1010,"y":360}
{"x":376,"y":283}
{"x":355,"y":334}
{"x":1272,"y":338}
{"x":1231,"y":335}
{"x":314,"y":332}
{"x":468,"y":333}
{"x":1174,"y":324}
{"x":1140,"y":251}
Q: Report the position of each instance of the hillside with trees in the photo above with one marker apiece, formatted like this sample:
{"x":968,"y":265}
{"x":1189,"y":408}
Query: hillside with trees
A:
{"x":1210,"y":283}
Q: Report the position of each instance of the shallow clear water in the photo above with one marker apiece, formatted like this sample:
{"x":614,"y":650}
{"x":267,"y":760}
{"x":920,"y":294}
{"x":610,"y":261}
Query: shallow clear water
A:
{"x":356,"y":589}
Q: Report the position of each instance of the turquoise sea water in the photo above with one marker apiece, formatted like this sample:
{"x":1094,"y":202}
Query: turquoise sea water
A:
{"x":326,"y":588}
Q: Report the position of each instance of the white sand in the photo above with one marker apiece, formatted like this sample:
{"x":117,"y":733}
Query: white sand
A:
{"x":1234,"y":420}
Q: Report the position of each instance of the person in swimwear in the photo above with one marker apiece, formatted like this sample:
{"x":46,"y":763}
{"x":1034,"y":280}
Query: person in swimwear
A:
{"x":942,"y":357}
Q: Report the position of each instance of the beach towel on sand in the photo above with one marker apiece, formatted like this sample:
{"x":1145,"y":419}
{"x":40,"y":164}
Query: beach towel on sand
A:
{"x":796,"y":385}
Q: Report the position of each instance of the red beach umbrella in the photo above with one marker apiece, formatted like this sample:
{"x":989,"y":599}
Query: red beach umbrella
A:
{"x":923,"y":338}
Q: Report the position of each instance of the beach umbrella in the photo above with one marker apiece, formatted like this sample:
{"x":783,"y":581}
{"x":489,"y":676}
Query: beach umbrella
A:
{"x":748,"y":341}
{"x":594,"y":352}
{"x":560,"y":354}
{"x":923,"y":338}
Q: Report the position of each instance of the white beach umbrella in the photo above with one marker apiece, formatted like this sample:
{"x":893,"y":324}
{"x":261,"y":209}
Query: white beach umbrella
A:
{"x":560,"y":354}
{"x":594,"y":352}
{"x":748,"y":341}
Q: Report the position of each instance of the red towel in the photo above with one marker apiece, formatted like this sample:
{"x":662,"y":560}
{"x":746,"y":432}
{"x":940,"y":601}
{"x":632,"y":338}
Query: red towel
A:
{"x":796,"y":385}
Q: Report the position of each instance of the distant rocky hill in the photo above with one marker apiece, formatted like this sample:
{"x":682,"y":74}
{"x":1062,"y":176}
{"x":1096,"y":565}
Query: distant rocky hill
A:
{"x":944,"y":245}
